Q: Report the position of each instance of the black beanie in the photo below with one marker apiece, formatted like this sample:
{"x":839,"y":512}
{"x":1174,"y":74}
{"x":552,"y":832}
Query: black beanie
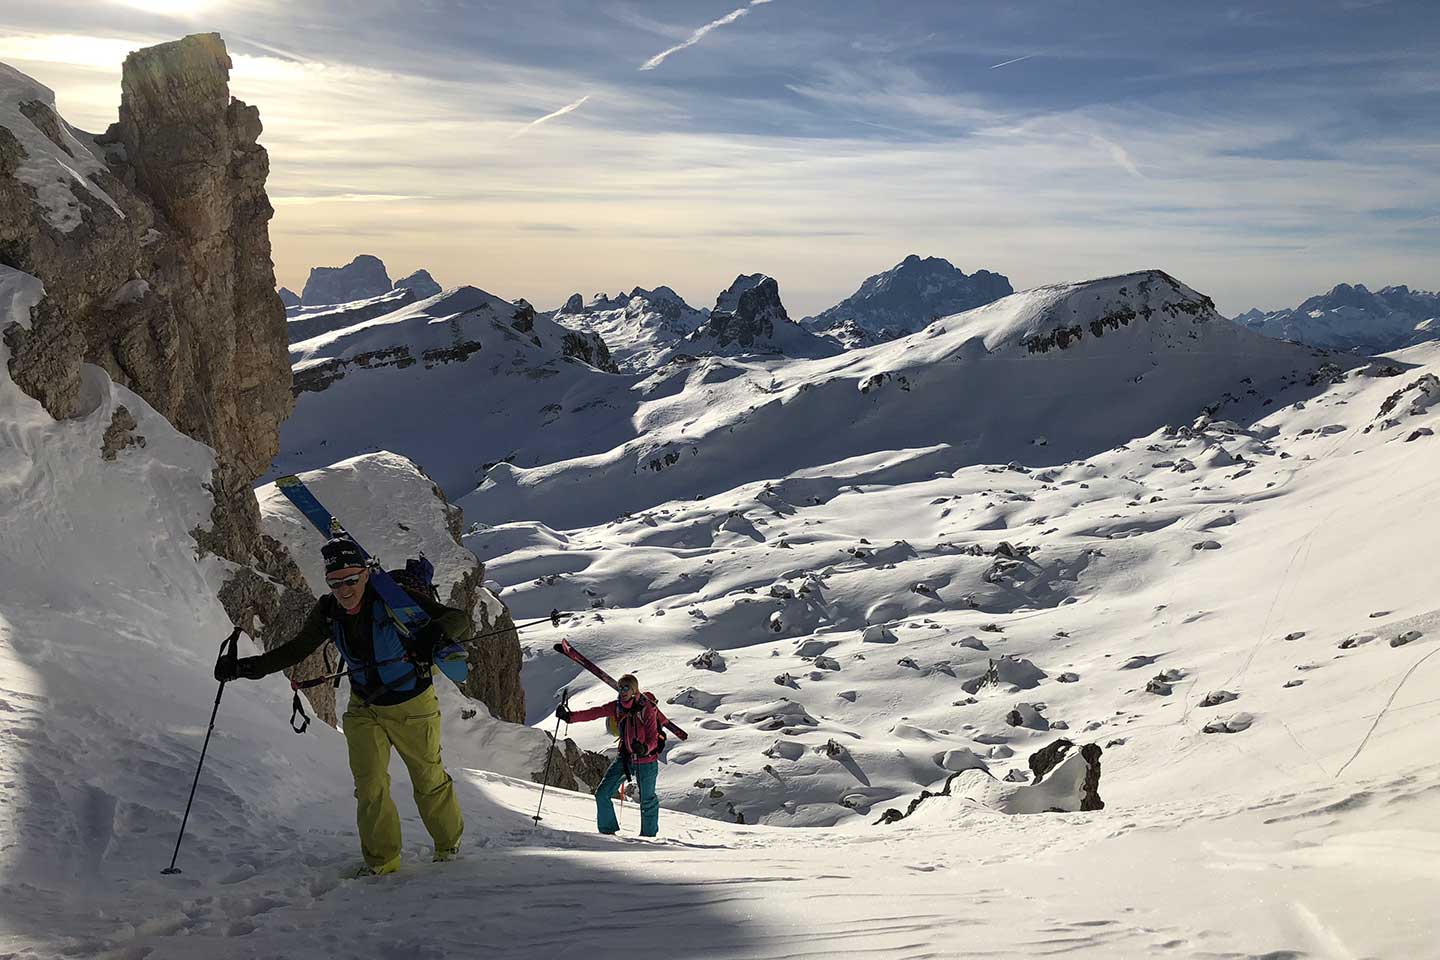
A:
{"x":342,"y":552}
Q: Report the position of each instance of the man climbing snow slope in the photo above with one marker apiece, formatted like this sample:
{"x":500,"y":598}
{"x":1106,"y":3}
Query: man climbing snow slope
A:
{"x":392,"y":702}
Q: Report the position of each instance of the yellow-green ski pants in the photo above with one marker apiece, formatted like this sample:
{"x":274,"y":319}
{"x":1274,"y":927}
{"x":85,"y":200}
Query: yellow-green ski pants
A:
{"x":413,"y":729}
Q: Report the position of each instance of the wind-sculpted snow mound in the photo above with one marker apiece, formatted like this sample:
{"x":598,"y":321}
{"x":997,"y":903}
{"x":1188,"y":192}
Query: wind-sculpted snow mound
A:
{"x":1039,"y":377}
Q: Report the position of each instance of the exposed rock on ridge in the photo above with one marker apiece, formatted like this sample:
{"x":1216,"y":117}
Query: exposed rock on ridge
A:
{"x":749,"y":318}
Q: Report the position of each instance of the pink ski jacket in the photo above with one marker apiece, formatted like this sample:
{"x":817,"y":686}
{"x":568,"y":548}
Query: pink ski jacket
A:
{"x":639,"y":728}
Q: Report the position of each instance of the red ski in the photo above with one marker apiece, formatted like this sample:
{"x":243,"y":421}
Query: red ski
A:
{"x":564,"y":647}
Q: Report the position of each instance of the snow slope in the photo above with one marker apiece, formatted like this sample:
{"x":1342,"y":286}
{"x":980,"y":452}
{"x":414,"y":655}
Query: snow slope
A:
{"x":1289,"y":542}
{"x":455,"y":382}
{"x":1024,"y":378}
{"x":303,"y":323}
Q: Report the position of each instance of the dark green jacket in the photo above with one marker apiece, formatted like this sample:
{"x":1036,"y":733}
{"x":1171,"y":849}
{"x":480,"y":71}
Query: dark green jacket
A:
{"x":317,"y":630}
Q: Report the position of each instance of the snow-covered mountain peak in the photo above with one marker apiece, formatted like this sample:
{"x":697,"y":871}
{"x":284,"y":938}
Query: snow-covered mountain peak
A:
{"x":1354,"y":318}
{"x":642,"y":328}
{"x":1060,"y":315}
{"x":463,"y":354}
{"x":911,"y":294}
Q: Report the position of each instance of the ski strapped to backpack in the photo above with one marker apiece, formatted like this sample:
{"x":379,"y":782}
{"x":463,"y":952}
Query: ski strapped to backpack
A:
{"x":409,"y":617}
{"x":334,"y":677}
{"x":564,"y":647}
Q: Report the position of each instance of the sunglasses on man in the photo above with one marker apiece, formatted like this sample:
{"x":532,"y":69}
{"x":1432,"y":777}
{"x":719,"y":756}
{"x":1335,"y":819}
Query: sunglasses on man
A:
{"x":339,"y":582}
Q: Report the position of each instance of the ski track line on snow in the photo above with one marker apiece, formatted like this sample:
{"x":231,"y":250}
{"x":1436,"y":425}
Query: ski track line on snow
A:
{"x":1384,"y":710}
{"x":1306,"y":544}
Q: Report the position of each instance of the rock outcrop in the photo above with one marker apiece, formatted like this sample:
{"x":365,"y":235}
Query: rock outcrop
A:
{"x":153,"y":243}
{"x":289,"y":297}
{"x":360,"y":279}
{"x":1073,"y":786}
{"x":421,"y":282}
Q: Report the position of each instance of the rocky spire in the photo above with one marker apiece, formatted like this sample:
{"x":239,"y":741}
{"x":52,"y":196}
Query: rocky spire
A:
{"x":159,"y":271}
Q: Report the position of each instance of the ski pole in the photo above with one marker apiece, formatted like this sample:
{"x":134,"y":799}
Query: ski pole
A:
{"x":228,"y":654}
{"x":554,"y":745}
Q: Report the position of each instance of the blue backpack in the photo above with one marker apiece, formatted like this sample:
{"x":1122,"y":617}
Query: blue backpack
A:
{"x":418,"y":577}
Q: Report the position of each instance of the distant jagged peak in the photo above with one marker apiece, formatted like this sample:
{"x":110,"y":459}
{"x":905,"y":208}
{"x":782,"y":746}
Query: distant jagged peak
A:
{"x":289,"y":297}
{"x":641,"y":328}
{"x":729,"y":299}
{"x":749,"y":318}
{"x":1354,"y":318}
{"x":361,"y":278}
{"x":911,"y":294}
{"x":421,"y":282}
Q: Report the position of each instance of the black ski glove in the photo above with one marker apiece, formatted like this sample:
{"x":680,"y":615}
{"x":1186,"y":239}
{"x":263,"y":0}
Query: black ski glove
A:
{"x":246,"y":667}
{"x":562,"y":712}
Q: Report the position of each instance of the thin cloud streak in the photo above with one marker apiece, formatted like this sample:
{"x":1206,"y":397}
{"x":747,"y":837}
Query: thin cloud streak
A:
{"x":695,"y":37}
{"x":304,"y":200}
{"x":568,"y":108}
{"x":996,"y":66}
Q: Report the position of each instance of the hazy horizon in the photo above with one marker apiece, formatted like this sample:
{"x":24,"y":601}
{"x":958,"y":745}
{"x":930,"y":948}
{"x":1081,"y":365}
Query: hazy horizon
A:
{"x":1259,"y":154}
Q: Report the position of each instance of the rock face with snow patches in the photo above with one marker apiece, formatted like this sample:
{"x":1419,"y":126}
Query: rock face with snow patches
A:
{"x":749,"y":319}
{"x":1354,"y":318}
{"x":153,"y":244}
{"x":911,"y":294}
{"x":359,"y":279}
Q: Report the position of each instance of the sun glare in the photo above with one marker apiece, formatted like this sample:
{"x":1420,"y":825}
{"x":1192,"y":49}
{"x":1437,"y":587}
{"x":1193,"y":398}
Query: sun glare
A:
{"x":174,"y":8}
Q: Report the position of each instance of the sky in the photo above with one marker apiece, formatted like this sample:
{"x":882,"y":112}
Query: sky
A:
{"x":1259,"y":152}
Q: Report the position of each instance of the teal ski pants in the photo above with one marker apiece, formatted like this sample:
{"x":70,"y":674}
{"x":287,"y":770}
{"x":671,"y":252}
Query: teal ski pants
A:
{"x":645,"y":774}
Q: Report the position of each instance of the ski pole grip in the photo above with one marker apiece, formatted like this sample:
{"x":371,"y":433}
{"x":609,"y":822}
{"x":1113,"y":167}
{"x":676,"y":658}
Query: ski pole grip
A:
{"x":229,"y":652}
